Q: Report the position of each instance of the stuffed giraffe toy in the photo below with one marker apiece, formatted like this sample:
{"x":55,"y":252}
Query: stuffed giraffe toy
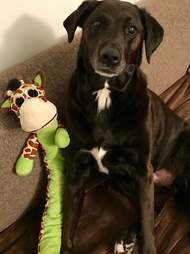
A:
{"x":38,"y":116}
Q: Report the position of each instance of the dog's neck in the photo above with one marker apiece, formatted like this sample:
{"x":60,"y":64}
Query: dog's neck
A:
{"x":129,"y":84}
{"x":130,"y":100}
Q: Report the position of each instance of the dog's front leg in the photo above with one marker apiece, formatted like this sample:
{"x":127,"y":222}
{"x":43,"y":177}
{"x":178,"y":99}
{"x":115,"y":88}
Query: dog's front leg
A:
{"x":146,"y":192}
{"x":74,"y":196}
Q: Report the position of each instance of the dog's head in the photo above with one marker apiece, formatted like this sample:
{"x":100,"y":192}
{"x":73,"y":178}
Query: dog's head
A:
{"x":113,"y":34}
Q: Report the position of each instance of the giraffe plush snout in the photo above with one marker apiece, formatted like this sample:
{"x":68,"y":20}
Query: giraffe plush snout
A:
{"x":36,"y":113}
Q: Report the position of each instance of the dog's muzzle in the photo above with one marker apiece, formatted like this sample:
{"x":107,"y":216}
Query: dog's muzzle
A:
{"x":109,"y":57}
{"x":109,"y":61}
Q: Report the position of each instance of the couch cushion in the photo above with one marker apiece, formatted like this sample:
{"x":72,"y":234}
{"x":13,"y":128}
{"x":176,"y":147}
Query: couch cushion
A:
{"x":172,"y":57}
{"x":18,"y":194}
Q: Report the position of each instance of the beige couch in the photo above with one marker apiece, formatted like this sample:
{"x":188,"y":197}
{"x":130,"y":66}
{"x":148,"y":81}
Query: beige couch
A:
{"x":20,"y":194}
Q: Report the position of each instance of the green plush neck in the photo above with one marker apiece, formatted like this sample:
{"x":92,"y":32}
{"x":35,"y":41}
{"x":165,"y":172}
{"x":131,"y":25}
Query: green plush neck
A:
{"x":47,"y":134}
{"x":52,"y":221}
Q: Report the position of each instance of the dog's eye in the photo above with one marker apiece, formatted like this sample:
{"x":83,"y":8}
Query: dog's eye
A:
{"x":131,"y":30}
{"x":19,"y":101}
{"x":32,"y":93}
{"x":97,"y":24}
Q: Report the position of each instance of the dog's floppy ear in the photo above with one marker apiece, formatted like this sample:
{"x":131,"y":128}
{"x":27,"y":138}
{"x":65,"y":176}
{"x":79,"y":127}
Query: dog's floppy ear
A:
{"x":154,"y":33}
{"x":78,"y":17}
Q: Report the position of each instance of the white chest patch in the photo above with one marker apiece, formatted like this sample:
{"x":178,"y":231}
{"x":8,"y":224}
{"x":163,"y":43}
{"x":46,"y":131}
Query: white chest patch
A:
{"x":103,"y":97}
{"x":98,"y":154}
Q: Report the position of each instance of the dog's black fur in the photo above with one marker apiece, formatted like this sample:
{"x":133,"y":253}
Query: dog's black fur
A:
{"x":138,"y":128}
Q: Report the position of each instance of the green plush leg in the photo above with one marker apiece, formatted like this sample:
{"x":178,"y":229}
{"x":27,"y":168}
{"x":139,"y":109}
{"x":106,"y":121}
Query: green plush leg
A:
{"x":24,"y":166}
{"x":62,"y":138}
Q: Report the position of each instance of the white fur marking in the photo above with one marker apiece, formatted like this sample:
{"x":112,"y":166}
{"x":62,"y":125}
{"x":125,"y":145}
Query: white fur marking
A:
{"x":103,"y":97}
{"x":98,"y":154}
{"x":121,"y":248}
{"x":129,"y":248}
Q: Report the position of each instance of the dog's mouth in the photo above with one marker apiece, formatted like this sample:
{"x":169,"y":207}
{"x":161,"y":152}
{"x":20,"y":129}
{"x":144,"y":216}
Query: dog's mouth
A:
{"x":105,"y":72}
{"x":109,"y":71}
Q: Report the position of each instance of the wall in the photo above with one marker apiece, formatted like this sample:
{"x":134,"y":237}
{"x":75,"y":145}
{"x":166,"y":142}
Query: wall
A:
{"x":27,"y":27}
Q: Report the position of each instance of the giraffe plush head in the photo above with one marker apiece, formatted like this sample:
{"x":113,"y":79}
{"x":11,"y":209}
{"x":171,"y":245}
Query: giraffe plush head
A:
{"x":28,"y":101}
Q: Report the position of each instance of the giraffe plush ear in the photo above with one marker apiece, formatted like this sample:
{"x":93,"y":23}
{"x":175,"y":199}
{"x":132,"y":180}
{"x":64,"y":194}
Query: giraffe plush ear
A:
{"x":39,"y":79}
{"x":6,"y":104}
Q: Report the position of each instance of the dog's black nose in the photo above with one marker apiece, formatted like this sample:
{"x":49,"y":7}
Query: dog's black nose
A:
{"x":110,"y":56}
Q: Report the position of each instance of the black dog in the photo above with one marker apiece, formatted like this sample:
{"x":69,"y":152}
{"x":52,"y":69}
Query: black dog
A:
{"x":117,"y":126}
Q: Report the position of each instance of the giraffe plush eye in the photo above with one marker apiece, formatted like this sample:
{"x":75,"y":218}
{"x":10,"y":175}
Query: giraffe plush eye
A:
{"x":19,"y":101}
{"x":33,"y":93}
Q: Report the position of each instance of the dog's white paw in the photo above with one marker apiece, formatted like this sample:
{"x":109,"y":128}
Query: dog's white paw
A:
{"x":122,"y":248}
